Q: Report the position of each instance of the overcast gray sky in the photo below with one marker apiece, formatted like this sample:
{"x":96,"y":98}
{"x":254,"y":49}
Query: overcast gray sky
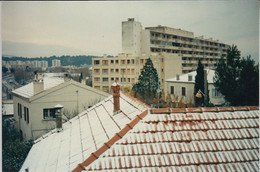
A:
{"x":76,"y":28}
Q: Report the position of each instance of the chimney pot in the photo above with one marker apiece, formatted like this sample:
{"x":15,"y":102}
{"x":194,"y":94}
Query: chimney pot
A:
{"x":116,"y":96}
{"x":58,"y":115}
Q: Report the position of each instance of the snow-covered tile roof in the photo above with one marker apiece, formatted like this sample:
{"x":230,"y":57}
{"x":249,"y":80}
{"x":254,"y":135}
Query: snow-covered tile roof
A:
{"x":199,"y":139}
{"x":81,"y":136}
{"x":49,"y":82}
{"x":185,"y":77}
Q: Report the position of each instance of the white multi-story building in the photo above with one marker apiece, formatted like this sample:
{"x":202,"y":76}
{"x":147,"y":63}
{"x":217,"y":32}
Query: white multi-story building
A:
{"x":182,"y":88}
{"x":55,"y":62}
{"x":34,"y":103}
{"x":40,"y":64}
{"x":173,"y":52}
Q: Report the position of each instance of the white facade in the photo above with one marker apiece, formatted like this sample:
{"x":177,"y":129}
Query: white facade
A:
{"x":138,"y":41}
{"x":182,"y":87}
{"x":34,"y":111}
{"x":131,"y":37}
{"x":40,"y":64}
{"x":56,"y":62}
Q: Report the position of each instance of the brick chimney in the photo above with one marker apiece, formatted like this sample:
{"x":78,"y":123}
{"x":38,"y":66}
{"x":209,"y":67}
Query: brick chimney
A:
{"x":116,"y":96}
{"x":37,"y":83}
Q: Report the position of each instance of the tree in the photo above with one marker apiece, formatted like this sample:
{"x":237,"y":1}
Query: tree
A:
{"x":147,"y":84}
{"x":199,"y":84}
{"x":14,"y":149}
{"x":4,"y":69}
{"x":237,"y":80}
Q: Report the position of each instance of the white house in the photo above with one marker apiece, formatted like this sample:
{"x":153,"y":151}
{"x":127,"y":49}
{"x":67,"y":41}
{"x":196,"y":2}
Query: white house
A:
{"x":182,"y":86}
{"x":34,"y":103}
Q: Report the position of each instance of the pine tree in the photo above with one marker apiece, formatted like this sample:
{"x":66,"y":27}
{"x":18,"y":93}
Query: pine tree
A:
{"x":147,"y":84}
{"x":199,"y":84}
{"x":237,"y":80}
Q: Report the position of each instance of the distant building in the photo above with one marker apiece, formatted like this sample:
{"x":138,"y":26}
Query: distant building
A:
{"x":182,"y":87}
{"x":40,"y":64}
{"x":173,"y":52}
{"x":126,"y":69}
{"x":34,"y":103}
{"x":7,"y":109}
{"x":55,"y":63}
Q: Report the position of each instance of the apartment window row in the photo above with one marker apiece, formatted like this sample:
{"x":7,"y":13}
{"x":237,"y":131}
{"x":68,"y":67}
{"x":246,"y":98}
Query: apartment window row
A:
{"x":164,"y":36}
{"x":112,"y":79}
{"x":123,"y":71}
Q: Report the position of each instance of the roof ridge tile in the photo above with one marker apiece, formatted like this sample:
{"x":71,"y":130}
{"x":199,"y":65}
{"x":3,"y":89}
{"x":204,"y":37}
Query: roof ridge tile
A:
{"x":204,"y":109}
{"x":110,"y":142}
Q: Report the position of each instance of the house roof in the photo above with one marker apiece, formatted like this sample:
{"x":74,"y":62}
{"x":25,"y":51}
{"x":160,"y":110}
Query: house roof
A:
{"x":48,"y":83}
{"x":143,"y":139}
{"x":210,"y":139}
{"x":81,"y":136}
{"x":185,"y":77}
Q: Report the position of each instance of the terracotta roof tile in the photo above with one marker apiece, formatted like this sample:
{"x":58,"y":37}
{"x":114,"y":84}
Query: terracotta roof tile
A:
{"x":188,"y":137}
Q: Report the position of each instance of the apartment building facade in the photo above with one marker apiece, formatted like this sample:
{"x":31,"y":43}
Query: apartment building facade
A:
{"x":173,"y":52}
{"x":138,"y":41}
{"x":55,"y":63}
{"x":126,"y":69}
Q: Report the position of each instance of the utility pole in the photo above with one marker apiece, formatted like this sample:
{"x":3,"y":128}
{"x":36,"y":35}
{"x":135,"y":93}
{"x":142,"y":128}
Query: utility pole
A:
{"x":77,"y":101}
{"x":205,"y":87}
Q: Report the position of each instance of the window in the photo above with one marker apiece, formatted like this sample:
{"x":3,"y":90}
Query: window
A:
{"x":24,"y":113}
{"x":215,"y":93}
{"x":190,"y":77}
{"x":105,"y":79}
{"x":133,"y":61}
{"x":128,"y":61}
{"x":117,"y":70}
{"x":48,"y":113}
{"x":19,"y":110}
{"x":172,"y":89}
{"x":162,"y":70}
{"x":105,"y":62}
{"x":96,"y":62}
{"x":105,"y":71}
{"x":96,"y":71}
{"x":112,"y":70}
{"x":112,"y":61}
{"x":183,"y":91}
{"x":96,"y":79}
{"x":27,"y":115}
{"x":122,"y":71}
{"x":116,"y":61}
{"x":122,"y":61}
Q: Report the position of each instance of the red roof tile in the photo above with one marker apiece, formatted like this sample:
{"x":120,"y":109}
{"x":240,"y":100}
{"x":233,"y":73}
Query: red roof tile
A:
{"x":193,"y":138}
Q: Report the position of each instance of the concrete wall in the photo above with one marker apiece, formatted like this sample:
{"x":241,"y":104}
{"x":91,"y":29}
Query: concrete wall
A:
{"x":131,"y":37}
{"x":66,"y":96}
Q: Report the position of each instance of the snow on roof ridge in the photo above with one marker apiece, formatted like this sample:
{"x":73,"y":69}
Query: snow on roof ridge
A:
{"x":94,"y":156}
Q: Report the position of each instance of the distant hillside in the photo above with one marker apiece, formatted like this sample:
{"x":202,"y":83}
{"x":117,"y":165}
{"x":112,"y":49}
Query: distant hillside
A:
{"x":65,"y":60}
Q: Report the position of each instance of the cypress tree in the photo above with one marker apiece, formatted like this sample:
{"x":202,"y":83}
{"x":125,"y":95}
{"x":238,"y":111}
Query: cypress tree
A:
{"x":199,"y":84}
